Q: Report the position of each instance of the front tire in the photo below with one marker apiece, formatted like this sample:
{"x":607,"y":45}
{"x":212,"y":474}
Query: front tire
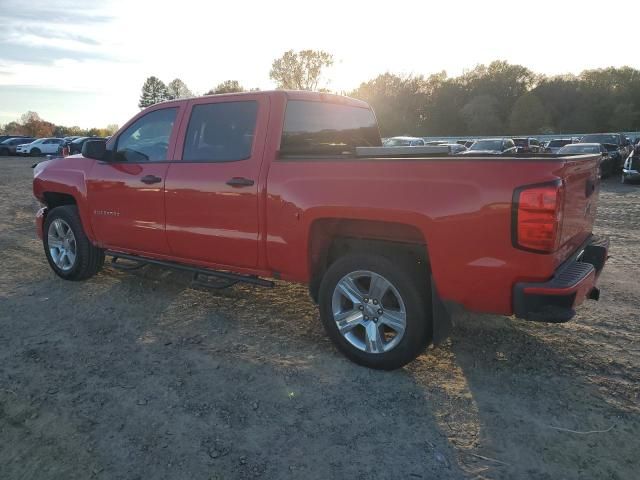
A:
{"x":376,"y":312}
{"x":35,"y":152}
{"x":70,"y":253}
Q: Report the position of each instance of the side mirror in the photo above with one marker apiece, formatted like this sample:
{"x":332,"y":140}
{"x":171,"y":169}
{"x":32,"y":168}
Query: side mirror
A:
{"x":95,"y":149}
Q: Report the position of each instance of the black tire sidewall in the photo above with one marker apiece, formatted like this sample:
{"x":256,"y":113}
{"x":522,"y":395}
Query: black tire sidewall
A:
{"x":69,"y":213}
{"x":415,"y":293}
{"x":35,"y":152}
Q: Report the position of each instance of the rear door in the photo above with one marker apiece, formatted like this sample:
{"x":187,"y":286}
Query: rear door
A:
{"x":126,"y":193}
{"x":212,"y":192}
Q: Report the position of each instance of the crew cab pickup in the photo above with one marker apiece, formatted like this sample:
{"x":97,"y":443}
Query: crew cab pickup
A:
{"x":296,"y":186}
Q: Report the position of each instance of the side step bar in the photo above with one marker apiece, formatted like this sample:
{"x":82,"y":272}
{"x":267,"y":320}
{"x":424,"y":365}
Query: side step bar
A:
{"x":196,"y":270}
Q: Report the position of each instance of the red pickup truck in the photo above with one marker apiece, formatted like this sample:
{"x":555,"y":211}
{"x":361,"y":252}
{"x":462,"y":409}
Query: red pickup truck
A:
{"x":294,"y":186}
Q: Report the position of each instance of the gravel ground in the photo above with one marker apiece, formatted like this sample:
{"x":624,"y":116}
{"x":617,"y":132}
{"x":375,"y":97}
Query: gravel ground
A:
{"x":139,"y":375}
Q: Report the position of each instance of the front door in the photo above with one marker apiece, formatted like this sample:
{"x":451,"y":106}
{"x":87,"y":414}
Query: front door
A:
{"x":126,"y":191}
{"x":212,"y":192}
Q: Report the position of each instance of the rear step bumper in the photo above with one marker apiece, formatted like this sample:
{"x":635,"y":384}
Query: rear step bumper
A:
{"x":574,"y":281}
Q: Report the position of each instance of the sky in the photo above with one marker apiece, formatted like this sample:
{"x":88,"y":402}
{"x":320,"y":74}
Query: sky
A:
{"x":84,"y":62}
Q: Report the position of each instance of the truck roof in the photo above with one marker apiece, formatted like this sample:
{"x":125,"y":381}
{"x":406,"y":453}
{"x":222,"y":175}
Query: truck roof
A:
{"x":290,"y":95}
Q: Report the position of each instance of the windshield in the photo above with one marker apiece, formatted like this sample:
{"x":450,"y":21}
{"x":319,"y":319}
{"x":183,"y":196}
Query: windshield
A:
{"x":487,"y":145}
{"x":397,"y":142}
{"x":577,"y":148}
{"x":601,"y":138}
{"x":521,"y":142}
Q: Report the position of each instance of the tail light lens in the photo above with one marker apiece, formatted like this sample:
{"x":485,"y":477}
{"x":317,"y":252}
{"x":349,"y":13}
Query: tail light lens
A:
{"x":537,"y":217}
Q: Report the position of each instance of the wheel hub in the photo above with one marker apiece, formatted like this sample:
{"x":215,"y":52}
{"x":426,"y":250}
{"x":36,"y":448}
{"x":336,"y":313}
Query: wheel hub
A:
{"x":62,"y":244}
{"x":369,"y":311}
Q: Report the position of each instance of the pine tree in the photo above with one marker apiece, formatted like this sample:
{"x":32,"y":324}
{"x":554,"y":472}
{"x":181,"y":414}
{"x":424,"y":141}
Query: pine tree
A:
{"x":153,"y":91}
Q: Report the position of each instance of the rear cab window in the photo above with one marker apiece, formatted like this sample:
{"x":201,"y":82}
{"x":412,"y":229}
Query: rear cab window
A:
{"x":325,"y":128}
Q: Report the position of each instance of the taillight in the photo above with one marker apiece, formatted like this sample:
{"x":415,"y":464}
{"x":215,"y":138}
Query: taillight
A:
{"x":537,"y":217}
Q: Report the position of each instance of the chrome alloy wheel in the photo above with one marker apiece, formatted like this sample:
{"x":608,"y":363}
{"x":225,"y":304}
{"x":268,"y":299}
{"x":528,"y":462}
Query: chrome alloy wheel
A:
{"x":369,"y":312}
{"x":62,"y":244}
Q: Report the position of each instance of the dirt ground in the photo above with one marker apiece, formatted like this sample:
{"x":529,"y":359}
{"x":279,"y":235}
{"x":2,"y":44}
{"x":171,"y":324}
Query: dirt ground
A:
{"x":140,"y":376}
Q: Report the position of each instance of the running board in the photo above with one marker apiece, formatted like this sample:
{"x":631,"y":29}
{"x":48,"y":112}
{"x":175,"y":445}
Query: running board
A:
{"x":196,"y":270}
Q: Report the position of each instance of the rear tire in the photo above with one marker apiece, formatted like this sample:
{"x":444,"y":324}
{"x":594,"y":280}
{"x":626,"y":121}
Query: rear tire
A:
{"x":401,"y":315}
{"x":70,"y":253}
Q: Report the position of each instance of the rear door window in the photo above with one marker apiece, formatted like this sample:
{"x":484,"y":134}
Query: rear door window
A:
{"x":221,"y":132}
{"x":319,"y":128}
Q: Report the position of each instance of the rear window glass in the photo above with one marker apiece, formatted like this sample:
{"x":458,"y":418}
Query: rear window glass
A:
{"x":327,"y":128}
{"x":521,"y":142}
{"x":221,"y":132}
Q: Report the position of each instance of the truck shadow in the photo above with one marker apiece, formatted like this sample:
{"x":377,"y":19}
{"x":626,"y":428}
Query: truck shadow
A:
{"x":530,"y":381}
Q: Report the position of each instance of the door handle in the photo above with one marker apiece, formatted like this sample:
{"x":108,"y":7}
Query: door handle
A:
{"x":240,"y":182}
{"x":149,"y":179}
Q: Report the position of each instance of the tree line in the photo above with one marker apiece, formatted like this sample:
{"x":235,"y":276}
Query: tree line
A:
{"x":30,"y":124}
{"x":495,"y":99}
{"x":502,"y":98}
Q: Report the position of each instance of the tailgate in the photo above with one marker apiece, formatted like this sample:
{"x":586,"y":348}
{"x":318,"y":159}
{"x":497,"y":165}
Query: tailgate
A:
{"x":581,"y":178}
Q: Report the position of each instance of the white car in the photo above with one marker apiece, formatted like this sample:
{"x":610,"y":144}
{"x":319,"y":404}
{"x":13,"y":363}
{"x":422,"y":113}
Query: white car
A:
{"x":42,"y":146}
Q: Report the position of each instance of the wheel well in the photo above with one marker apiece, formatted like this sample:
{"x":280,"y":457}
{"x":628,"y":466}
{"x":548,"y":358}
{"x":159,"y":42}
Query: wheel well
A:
{"x":55,"y":199}
{"x":334,"y":238}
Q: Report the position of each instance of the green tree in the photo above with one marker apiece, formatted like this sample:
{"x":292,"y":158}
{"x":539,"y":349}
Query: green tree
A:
{"x":300,"y":70}
{"x":153,"y":91}
{"x":500,"y":80}
{"x":178,"y":89}
{"x":529,"y":116}
{"x":228,"y":86}
{"x":398,"y":102}
{"x":110,"y":129}
{"x":482,"y":116}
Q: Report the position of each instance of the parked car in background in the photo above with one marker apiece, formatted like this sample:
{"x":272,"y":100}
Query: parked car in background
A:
{"x":454,"y":148}
{"x":622,"y":146}
{"x":67,"y":144}
{"x":556,"y":144}
{"x":42,"y":146}
{"x":76,"y":145}
{"x":6,"y":137}
{"x":404,"y":142}
{"x":492,"y":146}
{"x":607,"y":166}
{"x":9,"y":145}
{"x":631,"y":167}
{"x":527,"y":145}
